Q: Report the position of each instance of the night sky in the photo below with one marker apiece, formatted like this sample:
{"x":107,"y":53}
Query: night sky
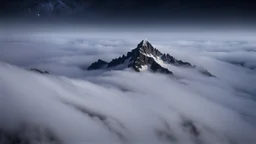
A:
{"x":133,"y":11}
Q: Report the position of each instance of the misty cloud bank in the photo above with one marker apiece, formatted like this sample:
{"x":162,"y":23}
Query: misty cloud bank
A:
{"x":75,"y":106}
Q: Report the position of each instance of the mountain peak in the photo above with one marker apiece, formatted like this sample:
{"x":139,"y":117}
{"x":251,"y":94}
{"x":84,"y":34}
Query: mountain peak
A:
{"x":145,"y":42}
{"x":146,"y":48}
{"x":143,"y":57}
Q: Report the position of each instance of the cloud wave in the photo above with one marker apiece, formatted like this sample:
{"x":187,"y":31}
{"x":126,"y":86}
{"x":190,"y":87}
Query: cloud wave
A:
{"x":75,"y":106}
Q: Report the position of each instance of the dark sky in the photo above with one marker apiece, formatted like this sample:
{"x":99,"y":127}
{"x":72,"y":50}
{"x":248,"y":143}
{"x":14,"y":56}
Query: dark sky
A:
{"x":132,"y":10}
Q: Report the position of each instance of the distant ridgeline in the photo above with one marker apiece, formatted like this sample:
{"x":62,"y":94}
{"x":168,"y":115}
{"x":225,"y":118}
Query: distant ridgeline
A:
{"x":39,"y":71}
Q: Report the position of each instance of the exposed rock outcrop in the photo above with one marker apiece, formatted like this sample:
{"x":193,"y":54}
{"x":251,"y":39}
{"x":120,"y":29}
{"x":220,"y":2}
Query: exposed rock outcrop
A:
{"x":144,"y":57}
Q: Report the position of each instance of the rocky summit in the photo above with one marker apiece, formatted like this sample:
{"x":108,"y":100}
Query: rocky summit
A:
{"x":143,"y":57}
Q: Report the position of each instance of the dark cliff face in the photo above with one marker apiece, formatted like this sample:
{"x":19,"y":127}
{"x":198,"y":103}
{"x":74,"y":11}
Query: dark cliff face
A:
{"x":97,"y":65}
{"x":143,"y":57}
{"x":117,"y":61}
{"x":143,"y":60}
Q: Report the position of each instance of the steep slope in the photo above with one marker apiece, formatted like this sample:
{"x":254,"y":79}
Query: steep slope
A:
{"x":144,"y":57}
{"x":141,"y":58}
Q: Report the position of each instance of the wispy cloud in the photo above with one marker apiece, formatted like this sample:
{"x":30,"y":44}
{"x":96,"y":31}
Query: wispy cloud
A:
{"x":125,"y":106}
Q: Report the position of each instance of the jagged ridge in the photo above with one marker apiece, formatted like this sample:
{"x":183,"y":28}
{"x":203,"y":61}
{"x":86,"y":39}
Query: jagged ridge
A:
{"x":144,"y":56}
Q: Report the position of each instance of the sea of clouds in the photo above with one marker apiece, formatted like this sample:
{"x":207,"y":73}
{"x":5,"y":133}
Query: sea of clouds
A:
{"x":75,"y":106}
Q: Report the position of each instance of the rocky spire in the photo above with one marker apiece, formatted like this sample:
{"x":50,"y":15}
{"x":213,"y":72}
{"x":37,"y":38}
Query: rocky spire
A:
{"x":143,"y":57}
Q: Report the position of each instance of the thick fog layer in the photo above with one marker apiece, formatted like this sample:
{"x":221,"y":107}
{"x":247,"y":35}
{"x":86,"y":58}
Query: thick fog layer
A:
{"x":75,"y":106}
